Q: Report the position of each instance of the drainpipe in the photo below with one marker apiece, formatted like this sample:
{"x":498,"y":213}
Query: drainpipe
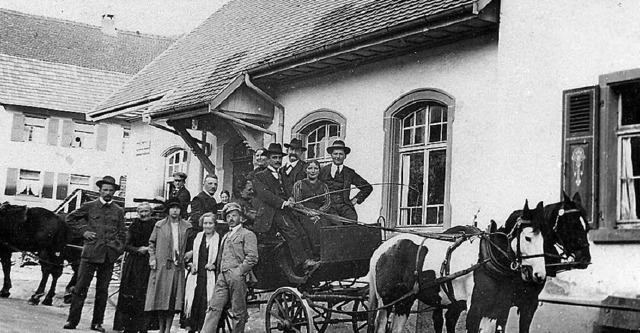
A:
{"x":278,"y":109}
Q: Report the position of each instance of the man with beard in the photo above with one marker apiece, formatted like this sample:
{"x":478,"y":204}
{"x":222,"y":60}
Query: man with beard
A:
{"x":275,"y":215}
{"x":294,"y":170}
{"x":101,"y":224}
{"x":204,"y":201}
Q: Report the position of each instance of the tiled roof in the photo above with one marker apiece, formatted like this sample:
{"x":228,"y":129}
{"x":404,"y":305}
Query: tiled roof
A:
{"x":55,"y":86}
{"x":59,"y":41}
{"x":246,"y":33}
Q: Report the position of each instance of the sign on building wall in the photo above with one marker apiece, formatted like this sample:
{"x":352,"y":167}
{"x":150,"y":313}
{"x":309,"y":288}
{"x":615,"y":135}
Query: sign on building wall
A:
{"x":143,"y":147}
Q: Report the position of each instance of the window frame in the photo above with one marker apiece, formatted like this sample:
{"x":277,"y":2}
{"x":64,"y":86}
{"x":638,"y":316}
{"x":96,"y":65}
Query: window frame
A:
{"x":608,"y":231}
{"x":184,"y":167}
{"x":313,"y":118}
{"x":392,"y":155}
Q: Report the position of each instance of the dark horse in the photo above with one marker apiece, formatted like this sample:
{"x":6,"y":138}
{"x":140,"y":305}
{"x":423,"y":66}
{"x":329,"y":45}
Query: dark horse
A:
{"x":403,"y":269}
{"x":35,"y":230}
{"x":566,"y":247}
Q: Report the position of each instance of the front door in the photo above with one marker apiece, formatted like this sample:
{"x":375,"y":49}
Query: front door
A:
{"x":242,"y":160}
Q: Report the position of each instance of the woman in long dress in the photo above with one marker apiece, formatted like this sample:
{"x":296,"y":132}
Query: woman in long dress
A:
{"x":202,"y":273}
{"x":167,"y":245}
{"x":312,"y":193}
{"x":130,"y":315}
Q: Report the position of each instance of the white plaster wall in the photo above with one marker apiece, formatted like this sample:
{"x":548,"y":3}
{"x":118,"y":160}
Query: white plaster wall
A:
{"x":43,"y":157}
{"x":466,"y":70}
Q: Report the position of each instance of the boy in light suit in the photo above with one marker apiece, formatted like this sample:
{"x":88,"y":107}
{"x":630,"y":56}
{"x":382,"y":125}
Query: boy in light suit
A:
{"x":239,"y":253}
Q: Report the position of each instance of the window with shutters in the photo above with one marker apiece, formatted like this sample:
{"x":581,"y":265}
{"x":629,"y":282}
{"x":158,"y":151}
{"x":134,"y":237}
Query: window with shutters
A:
{"x":79,"y":182}
{"x":601,"y":154}
{"x":416,"y":159}
{"x":84,"y":135}
{"x":35,"y":129}
{"x":318,"y":130}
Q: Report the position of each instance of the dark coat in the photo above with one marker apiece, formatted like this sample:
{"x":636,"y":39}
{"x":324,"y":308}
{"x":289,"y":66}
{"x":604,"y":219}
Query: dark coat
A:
{"x":202,"y":203}
{"x":161,"y":279}
{"x":350,"y":178}
{"x":297,"y":173}
{"x":107,"y":221}
{"x":185,"y":199}
{"x":270,"y":195}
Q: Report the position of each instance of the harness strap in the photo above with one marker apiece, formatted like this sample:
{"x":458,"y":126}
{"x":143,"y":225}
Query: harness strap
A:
{"x":447,"y":287}
{"x":416,"y":272}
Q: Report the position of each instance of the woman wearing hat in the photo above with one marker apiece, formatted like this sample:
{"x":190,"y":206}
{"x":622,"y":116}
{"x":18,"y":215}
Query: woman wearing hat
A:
{"x":167,"y":247}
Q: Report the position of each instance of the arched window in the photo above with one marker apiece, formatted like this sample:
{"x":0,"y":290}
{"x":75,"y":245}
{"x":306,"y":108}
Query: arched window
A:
{"x":417,"y":157}
{"x":318,"y":130}
{"x":176,"y":160}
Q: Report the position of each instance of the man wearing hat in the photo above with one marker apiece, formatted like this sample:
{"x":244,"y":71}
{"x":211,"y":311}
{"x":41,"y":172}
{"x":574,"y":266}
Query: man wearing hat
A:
{"x":294,"y":170}
{"x":238,"y":255}
{"x":181,"y":193}
{"x":274,"y":213}
{"x":101,"y":224}
{"x":339,"y":178}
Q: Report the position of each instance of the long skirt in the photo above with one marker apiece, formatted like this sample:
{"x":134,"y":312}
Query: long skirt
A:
{"x":130,"y":315}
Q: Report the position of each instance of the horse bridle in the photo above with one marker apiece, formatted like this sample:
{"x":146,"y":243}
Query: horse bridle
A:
{"x":559,"y":244}
{"x":516,"y":262}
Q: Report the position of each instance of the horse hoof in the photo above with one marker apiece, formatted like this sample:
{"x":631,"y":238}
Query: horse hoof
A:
{"x":67,"y":299}
{"x":4,"y":294}
{"x":47,"y":301}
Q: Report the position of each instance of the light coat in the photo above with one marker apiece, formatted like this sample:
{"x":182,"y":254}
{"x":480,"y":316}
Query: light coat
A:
{"x":161,"y":279}
{"x":211,"y":274}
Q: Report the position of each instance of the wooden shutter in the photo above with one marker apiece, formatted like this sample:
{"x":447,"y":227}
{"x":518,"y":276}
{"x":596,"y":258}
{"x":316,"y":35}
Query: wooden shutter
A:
{"x":68,"y":128}
{"x":63,"y":186}
{"x":580,"y":146}
{"x":12,"y":181}
{"x":101,"y":137}
{"x":47,"y":187}
{"x":52,"y":132}
{"x":17,"y":130}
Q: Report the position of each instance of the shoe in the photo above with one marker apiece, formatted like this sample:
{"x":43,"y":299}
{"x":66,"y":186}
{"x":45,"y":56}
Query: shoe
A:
{"x":98,"y":328}
{"x":69,"y":326}
{"x":310,"y":265}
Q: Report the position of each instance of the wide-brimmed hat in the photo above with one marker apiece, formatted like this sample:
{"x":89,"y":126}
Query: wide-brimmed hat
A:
{"x":338,"y":144}
{"x":274,"y":149}
{"x":109,"y":181}
{"x":172,"y":202}
{"x":228,"y":208}
{"x":295,"y":144}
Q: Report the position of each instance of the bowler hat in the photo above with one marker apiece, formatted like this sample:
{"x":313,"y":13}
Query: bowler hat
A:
{"x":109,"y":181}
{"x":295,"y":144}
{"x":338,"y":144}
{"x":274,"y":149}
{"x":228,"y":208}
{"x":173,"y":202}
{"x":180,"y":175}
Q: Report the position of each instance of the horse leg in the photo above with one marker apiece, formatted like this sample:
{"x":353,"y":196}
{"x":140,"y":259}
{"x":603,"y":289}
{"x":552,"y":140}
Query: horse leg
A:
{"x":401,"y":311}
{"x":526,"y":316}
{"x":487,"y":325}
{"x":453,"y":314}
{"x":35,"y":298}
{"x":5,"y":258}
{"x":438,"y":321}
{"x":68,"y":290}
{"x":48,"y":300}
{"x":381,"y":320}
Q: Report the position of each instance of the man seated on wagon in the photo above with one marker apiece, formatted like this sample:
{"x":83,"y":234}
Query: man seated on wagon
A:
{"x":274,"y":212}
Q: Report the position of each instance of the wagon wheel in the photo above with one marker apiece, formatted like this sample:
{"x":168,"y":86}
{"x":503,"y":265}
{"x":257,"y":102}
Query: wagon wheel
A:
{"x":359,"y":321}
{"x":288,"y":312}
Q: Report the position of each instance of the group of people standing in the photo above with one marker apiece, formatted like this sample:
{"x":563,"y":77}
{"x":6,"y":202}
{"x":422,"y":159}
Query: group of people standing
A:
{"x":185,"y":264}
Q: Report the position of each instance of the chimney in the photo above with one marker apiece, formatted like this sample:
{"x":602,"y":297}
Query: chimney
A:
{"x":109,"y":25}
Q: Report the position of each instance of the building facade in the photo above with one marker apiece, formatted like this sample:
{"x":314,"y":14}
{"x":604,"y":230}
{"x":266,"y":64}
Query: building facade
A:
{"x":52,"y":73}
{"x":461,"y":110}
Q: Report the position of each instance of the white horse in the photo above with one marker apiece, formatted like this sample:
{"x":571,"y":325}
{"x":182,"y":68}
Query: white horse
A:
{"x":404,"y":267}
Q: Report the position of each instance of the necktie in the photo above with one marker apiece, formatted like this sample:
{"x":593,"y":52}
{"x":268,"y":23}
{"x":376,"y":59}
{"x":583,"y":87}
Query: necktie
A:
{"x":337,"y":172}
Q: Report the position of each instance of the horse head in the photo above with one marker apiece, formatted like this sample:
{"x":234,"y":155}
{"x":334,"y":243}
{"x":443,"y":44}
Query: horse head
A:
{"x":527,"y":243}
{"x":567,"y":231}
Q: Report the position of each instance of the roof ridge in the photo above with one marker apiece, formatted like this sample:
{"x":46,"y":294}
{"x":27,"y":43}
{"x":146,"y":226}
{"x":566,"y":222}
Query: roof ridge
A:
{"x":86,"y":25}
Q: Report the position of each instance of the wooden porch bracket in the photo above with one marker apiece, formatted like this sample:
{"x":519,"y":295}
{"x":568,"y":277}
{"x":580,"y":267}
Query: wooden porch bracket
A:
{"x":193,"y":144}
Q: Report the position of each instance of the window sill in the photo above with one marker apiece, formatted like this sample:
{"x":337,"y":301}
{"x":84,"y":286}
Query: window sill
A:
{"x":613,"y":236}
